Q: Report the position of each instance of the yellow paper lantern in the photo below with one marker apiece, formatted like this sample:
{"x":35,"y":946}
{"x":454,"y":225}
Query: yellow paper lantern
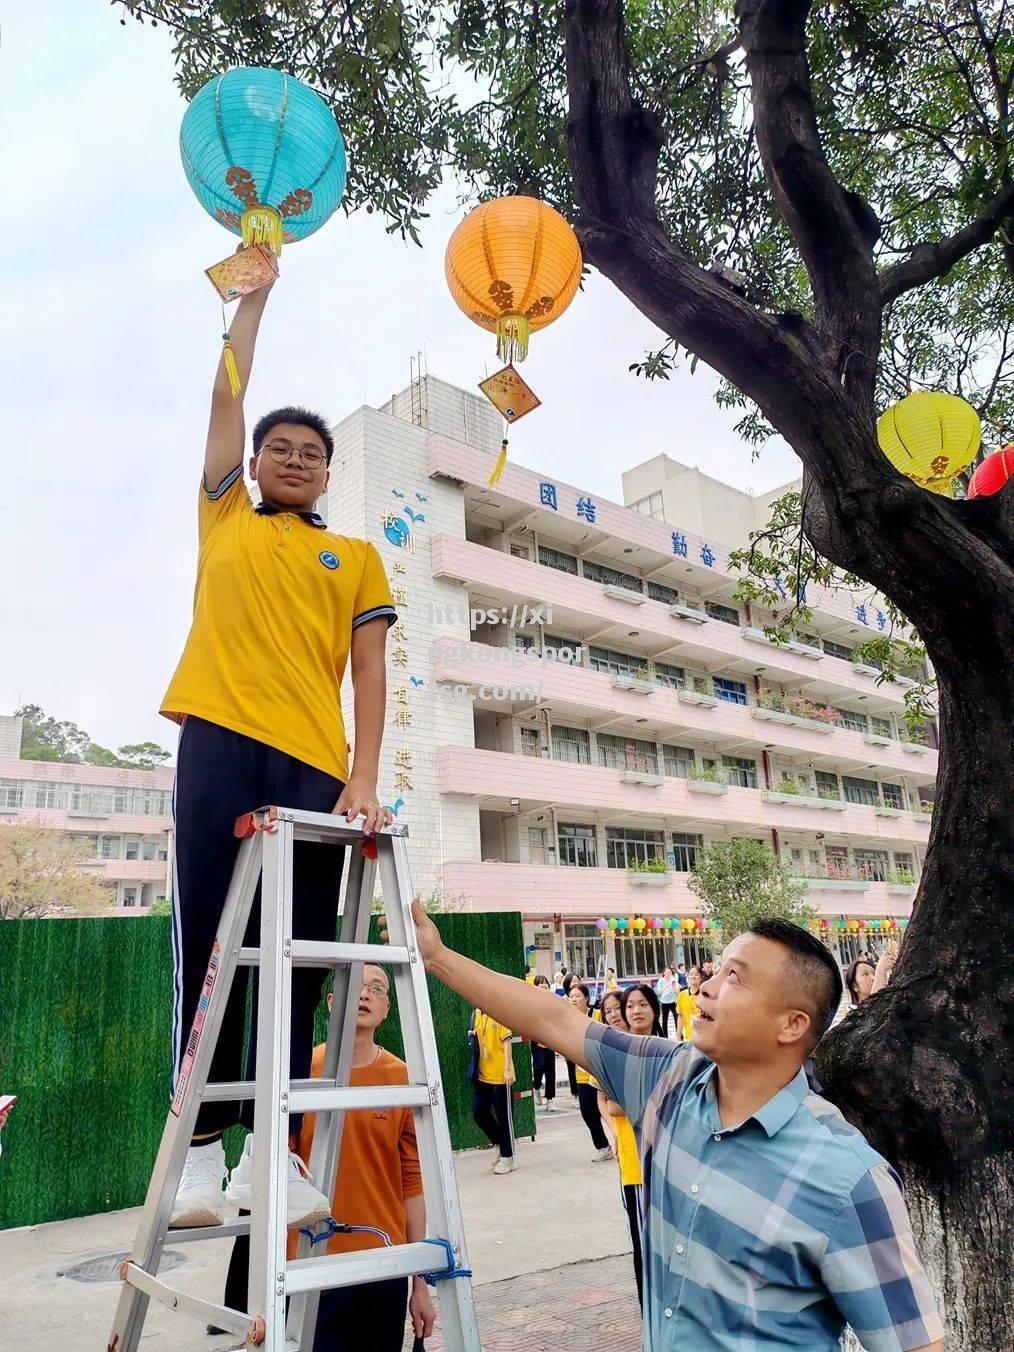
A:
{"x":513,"y":266}
{"x":930,"y":437}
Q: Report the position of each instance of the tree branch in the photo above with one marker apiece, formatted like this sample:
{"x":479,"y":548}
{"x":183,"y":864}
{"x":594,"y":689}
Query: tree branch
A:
{"x":614,"y":145}
{"x":834,"y":230}
{"x":928,"y":261}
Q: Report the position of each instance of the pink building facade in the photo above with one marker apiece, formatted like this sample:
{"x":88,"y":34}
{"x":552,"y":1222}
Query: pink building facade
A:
{"x":122,"y":817}
{"x":579,"y":704}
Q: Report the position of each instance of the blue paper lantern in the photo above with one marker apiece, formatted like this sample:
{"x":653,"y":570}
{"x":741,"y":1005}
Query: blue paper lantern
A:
{"x":264,"y":155}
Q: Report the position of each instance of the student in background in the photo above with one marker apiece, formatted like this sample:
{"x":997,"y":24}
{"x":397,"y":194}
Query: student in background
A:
{"x":379,"y":1184}
{"x":587,"y":1088}
{"x":641,"y":1010}
{"x":568,"y":981}
{"x":543,"y":1065}
{"x":667,"y":988}
{"x":686,"y":1007}
{"x":491,"y":1092}
{"x":627,"y":1156}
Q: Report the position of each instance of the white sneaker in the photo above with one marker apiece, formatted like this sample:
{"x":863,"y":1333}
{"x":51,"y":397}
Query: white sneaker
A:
{"x":505,"y":1165}
{"x":199,"y":1200}
{"x":305,"y":1204}
{"x":604,"y":1154}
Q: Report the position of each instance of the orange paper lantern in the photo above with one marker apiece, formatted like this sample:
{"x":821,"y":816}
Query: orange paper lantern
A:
{"x":513,"y":266}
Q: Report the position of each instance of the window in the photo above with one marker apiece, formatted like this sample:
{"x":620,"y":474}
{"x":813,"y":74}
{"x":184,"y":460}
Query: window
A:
{"x":837,"y":650}
{"x":525,"y":643}
{"x":577,"y":846}
{"x":904,"y":862}
{"x":872,"y":865}
{"x":686,"y":849}
{"x":667,"y":595}
{"x":850,"y":719}
{"x":132,"y":849}
{"x":162,"y":858}
{"x":627,"y":753}
{"x":559,"y":649}
{"x":615,"y":663}
{"x":740,"y":771}
{"x":678,"y":761}
{"x":644,"y":955}
{"x":827,"y":784}
{"x":571,"y":744}
{"x":11,"y":793}
{"x":611,"y":577}
{"x":860,"y":790}
{"x":894,"y":796}
{"x":538,"y":845}
{"x":148,"y":850}
{"x":130,"y":896}
{"x":837,"y":857}
{"x":531,"y":744}
{"x":555,"y":558}
{"x":650,"y":506}
{"x":585,"y":950}
{"x":696,"y":951}
{"x":109,"y":847}
{"x":733,"y":692}
{"x":46,"y":796}
{"x":727,"y":614}
{"x":519,"y":551}
{"x":625,"y":844}
{"x":673,"y":678}
{"x":881,"y":727}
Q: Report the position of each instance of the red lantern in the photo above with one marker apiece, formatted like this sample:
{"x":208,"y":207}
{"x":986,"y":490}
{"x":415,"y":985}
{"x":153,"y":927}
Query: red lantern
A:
{"x":991,"y":475}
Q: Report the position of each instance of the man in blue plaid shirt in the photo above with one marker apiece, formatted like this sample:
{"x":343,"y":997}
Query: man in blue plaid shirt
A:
{"x":769,"y":1222}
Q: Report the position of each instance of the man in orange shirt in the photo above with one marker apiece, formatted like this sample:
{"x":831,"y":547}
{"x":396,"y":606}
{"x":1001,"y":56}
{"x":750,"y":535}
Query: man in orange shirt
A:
{"x":378,"y":1184}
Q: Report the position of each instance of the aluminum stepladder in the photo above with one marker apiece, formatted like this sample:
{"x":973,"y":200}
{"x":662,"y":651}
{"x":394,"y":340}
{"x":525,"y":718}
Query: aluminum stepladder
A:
{"x":265,"y":855}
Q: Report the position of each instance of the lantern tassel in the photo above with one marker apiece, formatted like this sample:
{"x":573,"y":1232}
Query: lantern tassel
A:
{"x":498,"y":468}
{"x":262,"y":225}
{"x":231,"y":369}
{"x":512,"y":334}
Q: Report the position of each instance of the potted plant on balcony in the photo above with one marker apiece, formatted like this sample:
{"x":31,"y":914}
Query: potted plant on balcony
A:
{"x":791,"y":785}
{"x":648,"y":872}
{"x":901,"y":877}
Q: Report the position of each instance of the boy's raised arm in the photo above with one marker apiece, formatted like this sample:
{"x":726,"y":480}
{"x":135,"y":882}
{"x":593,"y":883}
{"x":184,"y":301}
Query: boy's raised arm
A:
{"x":226,"y":428}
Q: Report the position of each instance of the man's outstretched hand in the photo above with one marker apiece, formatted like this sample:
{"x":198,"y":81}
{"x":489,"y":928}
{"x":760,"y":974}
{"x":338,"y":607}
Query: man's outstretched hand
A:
{"x":428,"y":937}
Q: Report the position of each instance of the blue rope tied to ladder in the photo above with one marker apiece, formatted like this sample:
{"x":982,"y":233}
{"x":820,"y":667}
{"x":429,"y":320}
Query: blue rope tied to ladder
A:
{"x":449,"y":1272}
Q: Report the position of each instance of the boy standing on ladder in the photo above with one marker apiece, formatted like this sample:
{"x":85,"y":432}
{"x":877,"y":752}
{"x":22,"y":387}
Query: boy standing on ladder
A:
{"x":280,"y":609}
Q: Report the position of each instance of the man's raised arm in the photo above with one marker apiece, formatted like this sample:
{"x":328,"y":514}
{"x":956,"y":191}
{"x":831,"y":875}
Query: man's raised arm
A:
{"x":533,"y":1012}
{"x":226,"y":429}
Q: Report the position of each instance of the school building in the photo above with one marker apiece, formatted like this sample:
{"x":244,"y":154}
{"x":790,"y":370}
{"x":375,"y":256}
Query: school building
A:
{"x":578,"y":704}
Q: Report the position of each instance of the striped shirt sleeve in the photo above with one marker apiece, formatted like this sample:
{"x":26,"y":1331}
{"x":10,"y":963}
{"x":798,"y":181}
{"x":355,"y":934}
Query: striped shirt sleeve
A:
{"x":373,"y":597}
{"x":873,"y":1272}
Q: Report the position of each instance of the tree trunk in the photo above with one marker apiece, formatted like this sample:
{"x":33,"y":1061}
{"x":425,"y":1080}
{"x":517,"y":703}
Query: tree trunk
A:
{"x":923,"y":1069}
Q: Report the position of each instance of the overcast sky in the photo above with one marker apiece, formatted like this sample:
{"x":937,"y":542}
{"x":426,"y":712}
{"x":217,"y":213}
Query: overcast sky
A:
{"x":110,"y":336}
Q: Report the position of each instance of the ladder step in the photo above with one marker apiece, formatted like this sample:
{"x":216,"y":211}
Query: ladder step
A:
{"x":359,"y":1096}
{"x":307,"y":1096}
{"x":310,"y":953}
{"x":362,"y":1265}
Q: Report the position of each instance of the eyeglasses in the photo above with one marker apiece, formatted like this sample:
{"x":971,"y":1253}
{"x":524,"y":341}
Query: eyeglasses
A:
{"x":312,"y":457}
{"x":375,"y":988}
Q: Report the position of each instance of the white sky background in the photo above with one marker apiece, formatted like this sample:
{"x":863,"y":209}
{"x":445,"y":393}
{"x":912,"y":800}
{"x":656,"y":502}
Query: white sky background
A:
{"x":110,"y":334}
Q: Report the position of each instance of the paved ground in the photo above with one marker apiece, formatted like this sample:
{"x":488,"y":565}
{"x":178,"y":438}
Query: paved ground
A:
{"x":548,"y":1246}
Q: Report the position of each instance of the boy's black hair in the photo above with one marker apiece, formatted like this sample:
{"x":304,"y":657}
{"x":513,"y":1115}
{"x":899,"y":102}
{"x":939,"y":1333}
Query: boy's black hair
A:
{"x":293,"y":414}
{"x":813,"y":968}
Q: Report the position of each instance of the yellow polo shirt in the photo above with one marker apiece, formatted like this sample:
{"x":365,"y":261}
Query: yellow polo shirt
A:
{"x":686,"y":1004}
{"x":627,"y":1155}
{"x":492,"y":1038}
{"x":277,"y":599}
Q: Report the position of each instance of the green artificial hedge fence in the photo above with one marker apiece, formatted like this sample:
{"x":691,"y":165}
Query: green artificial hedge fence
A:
{"x":85,"y":1010}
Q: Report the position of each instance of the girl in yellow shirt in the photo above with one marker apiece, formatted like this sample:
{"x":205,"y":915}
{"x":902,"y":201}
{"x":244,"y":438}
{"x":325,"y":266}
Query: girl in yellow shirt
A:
{"x":587,"y":1088}
{"x":627,"y":1154}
